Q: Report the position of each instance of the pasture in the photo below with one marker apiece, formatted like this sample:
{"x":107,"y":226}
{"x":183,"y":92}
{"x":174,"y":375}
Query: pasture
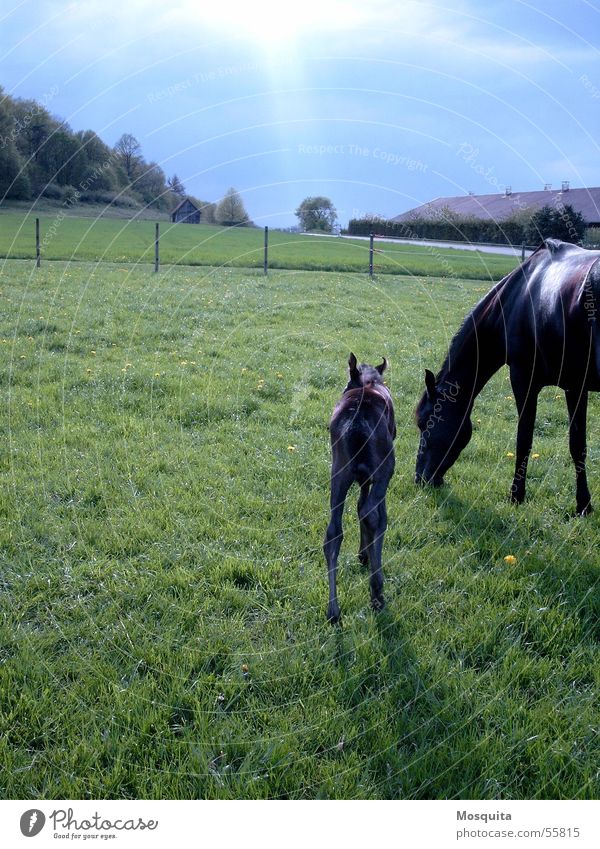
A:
{"x":64,"y":236}
{"x":164,"y":495}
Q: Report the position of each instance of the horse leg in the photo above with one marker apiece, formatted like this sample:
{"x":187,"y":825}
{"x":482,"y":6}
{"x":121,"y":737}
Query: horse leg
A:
{"x":577,"y":407}
{"x":340,"y":484}
{"x":374,"y":520}
{"x":526,"y":399}
{"x":363,"y":555}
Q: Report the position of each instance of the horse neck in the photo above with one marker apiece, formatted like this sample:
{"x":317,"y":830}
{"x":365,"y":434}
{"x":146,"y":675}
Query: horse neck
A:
{"x":477,"y":351}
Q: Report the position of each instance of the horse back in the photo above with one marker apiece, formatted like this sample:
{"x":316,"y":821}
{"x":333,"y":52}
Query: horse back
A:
{"x":556,"y":315}
{"x":362,"y":431}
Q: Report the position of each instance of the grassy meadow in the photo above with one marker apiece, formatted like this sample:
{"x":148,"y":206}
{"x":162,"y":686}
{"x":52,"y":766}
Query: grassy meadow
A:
{"x":163,"y":498}
{"x":67,"y":237}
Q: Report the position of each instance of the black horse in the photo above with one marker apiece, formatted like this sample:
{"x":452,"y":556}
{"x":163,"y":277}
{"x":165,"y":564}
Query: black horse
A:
{"x":541,"y":320}
{"x":362,"y":430}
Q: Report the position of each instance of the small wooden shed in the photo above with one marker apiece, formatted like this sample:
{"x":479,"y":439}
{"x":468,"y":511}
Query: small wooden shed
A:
{"x":186,"y":212}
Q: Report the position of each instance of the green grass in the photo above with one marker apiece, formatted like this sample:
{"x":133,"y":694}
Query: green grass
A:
{"x":66,"y":237}
{"x":163,"y":498}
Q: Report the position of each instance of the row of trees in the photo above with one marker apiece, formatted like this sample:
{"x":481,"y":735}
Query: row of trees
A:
{"x":40,"y":155}
{"x":528,"y":226}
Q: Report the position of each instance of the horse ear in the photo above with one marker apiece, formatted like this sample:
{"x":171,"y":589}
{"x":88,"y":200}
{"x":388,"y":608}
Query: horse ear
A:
{"x":353,"y":367}
{"x":382,"y":367}
{"x":430,"y":384}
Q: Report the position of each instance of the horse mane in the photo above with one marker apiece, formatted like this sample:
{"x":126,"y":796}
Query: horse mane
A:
{"x":485,"y":309}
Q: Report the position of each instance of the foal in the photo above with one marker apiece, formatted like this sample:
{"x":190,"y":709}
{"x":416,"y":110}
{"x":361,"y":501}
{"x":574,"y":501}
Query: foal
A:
{"x":362,"y":430}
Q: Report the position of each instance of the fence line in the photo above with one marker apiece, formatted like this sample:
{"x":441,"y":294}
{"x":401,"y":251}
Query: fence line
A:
{"x":468,"y":250}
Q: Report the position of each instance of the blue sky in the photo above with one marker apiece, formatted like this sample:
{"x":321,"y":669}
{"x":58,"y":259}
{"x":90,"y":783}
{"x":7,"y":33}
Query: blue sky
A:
{"x":379,"y":105}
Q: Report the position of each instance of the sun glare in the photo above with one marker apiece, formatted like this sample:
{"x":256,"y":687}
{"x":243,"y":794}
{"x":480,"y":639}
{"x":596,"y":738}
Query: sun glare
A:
{"x":274,"y":24}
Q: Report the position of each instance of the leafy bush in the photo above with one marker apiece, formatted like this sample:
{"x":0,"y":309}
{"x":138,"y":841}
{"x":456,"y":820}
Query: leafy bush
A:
{"x":524,"y":226}
{"x":53,"y":191}
{"x":560,"y":222}
{"x":592,"y":237}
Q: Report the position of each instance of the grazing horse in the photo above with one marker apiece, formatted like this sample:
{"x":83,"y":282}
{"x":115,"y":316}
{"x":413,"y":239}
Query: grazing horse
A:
{"x":541,"y":320}
{"x":362,"y":431}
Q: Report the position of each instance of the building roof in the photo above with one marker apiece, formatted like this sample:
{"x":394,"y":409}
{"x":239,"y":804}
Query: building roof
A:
{"x":499,"y":207}
{"x":185,"y":200}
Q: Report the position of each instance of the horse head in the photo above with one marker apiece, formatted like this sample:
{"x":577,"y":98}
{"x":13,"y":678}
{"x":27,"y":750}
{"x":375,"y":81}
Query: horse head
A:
{"x":444,"y":421}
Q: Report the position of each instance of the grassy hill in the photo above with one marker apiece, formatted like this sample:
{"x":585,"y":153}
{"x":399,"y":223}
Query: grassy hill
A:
{"x":67,"y":237}
{"x":50,"y":208}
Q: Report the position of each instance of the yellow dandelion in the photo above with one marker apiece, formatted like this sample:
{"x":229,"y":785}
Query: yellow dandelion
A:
{"x":245,"y":668}
{"x":291,"y":448}
{"x":510,"y":559}
{"x":535,"y":456}
{"x":156,"y":374}
{"x":509,"y":454}
{"x":93,"y":353}
{"x":88,"y":371}
{"x":279,"y":375}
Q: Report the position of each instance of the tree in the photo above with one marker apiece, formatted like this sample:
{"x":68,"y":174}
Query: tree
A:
{"x":207,"y":209}
{"x":176,"y":186}
{"x":129,"y":151}
{"x":230,"y":210}
{"x":99,"y":172}
{"x":317,"y":213}
{"x":151,"y":185}
{"x":557,"y":222}
{"x":61,"y":159}
{"x":14,"y":182}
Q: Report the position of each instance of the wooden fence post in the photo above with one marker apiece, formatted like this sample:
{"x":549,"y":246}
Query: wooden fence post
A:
{"x":371,"y":237}
{"x":156,"y":253}
{"x":266,"y":260}
{"x":523,"y":252}
{"x":38,"y":257}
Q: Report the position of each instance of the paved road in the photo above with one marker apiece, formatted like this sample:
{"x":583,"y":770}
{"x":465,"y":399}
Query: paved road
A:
{"x":459,"y":246}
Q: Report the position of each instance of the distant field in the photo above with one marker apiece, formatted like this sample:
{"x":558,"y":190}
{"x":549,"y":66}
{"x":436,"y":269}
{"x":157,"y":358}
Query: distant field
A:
{"x":163,"y":498}
{"x":109,"y":240}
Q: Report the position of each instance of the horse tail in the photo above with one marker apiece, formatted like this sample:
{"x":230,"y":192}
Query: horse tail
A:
{"x":360,"y":452}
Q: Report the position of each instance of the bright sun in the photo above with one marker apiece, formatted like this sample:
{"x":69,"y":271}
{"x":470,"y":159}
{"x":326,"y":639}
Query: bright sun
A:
{"x":274,"y":23}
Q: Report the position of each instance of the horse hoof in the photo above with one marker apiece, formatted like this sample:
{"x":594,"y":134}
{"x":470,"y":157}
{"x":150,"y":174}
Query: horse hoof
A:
{"x":333,"y":614}
{"x":585,"y":510}
{"x":517,"y":497}
{"x":378,"y":603}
